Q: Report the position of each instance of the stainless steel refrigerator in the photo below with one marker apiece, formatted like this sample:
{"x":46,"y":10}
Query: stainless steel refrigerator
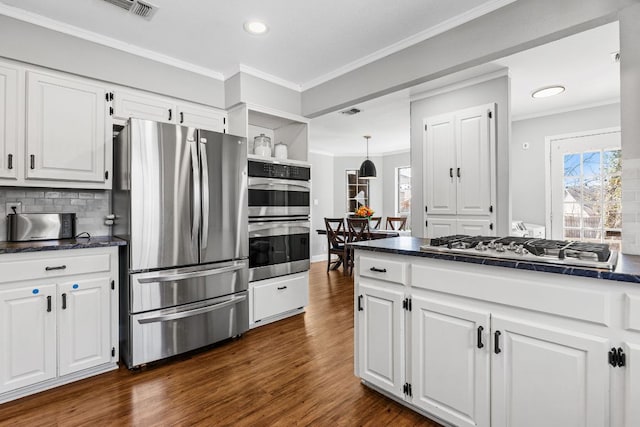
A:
{"x":180,"y":200}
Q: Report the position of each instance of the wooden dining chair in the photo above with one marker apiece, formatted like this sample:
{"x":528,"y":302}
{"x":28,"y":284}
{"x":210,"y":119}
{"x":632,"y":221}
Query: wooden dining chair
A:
{"x":336,"y":238}
{"x":396,"y":222}
{"x":374,"y":222}
{"x":358,"y":229}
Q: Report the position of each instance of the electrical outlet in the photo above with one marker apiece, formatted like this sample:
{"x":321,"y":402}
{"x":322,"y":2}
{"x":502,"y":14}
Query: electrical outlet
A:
{"x":11,"y":205}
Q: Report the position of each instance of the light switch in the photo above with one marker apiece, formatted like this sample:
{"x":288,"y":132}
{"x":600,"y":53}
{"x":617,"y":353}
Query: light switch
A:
{"x":315,"y":202}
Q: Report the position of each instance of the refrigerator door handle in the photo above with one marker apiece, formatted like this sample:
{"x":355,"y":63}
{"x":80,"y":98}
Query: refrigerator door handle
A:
{"x":195,"y":170}
{"x":193,"y":312}
{"x":191,"y":274}
{"x":205,"y":194}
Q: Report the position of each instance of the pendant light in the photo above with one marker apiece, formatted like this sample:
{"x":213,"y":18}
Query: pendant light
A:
{"x":367,"y":168}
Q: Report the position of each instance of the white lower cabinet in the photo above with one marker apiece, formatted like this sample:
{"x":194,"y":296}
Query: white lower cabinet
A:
{"x":381,"y":336}
{"x":27,"y":335}
{"x":475,"y":345}
{"x":59,"y":325}
{"x":544,"y":376}
{"x":450,"y":358}
{"x":278,"y":297}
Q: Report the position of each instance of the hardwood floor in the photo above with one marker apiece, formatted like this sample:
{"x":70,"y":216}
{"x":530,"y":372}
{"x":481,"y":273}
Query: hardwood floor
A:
{"x":298,"y":371}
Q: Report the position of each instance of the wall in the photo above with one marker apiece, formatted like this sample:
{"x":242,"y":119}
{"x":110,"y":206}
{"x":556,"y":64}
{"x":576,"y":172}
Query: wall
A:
{"x":40,"y":46}
{"x":90,"y":206}
{"x":518,"y":26}
{"x":492,"y":91}
{"x":630,"y":112}
{"x":322,"y":184}
{"x":528,"y":178}
{"x":243,"y":87}
{"x":390,"y":163}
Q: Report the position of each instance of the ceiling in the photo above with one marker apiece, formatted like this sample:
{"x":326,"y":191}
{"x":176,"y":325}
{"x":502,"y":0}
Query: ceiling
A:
{"x":308,"y":42}
{"x":582,"y":63}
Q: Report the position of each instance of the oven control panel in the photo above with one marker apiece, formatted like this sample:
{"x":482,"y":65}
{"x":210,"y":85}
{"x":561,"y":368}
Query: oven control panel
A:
{"x":278,"y":170}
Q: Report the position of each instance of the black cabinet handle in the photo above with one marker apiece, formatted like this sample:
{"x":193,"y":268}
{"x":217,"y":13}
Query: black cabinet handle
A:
{"x":32,"y":159}
{"x":59,"y":267}
{"x":450,"y":172}
{"x":49,"y":304}
{"x":64,"y":301}
{"x":378,"y":270}
{"x":181,"y":117}
{"x":496,"y":343}
{"x":281,"y":288}
{"x":170,"y":114}
{"x":10,"y":161}
{"x":480,"y":329}
{"x":360,"y":308}
{"x":458,"y":172}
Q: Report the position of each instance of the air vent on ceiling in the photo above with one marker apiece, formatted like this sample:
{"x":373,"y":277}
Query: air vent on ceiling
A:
{"x":350,"y":111}
{"x":125,"y":4}
{"x":136,"y":7}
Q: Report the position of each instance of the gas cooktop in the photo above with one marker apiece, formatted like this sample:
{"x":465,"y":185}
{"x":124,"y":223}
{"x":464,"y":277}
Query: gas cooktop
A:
{"x":569,"y":253}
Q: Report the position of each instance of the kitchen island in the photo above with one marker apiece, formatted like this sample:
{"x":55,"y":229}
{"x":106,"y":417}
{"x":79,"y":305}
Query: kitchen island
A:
{"x":474,"y":341}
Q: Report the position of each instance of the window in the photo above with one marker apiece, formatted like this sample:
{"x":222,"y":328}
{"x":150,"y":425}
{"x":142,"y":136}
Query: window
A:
{"x":357,"y":191}
{"x":589,"y":190}
{"x":403,"y":191}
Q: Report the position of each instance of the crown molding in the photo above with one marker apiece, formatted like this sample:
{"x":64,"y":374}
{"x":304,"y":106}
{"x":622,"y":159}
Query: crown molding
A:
{"x":520,"y":117}
{"x":61,"y":27}
{"x":440,"y":28}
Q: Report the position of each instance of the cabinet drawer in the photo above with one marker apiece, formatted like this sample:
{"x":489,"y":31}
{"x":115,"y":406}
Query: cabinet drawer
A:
{"x":391,"y":271}
{"x":279,"y":296}
{"x":40,"y":268}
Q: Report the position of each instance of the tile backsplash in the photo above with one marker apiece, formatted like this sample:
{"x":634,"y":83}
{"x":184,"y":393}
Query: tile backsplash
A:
{"x":90,"y":206}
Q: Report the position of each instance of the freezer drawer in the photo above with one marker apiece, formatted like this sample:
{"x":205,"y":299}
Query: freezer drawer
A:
{"x":168,"y":288}
{"x":164,"y":333}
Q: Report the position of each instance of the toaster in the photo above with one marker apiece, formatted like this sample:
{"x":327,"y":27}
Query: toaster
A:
{"x":23,"y":227}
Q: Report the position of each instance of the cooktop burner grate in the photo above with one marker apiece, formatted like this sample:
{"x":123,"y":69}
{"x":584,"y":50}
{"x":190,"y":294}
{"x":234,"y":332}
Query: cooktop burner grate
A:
{"x":546,"y":247}
{"x":585,"y":250}
{"x":445,"y":240}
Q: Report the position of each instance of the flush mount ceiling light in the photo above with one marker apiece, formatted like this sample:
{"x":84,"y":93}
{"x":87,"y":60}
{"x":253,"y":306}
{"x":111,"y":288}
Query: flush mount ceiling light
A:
{"x":548,"y":91}
{"x":256,"y":27}
{"x":367,"y":169}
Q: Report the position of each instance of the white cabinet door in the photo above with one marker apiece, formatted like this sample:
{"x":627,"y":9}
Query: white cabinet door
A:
{"x":11,"y":90}
{"x":130,"y":104}
{"x":473,"y":153}
{"x":450,"y":362}
{"x":28,"y":336}
{"x":474,"y":227}
{"x":66,"y":129}
{"x":632,"y":385}
{"x":440,"y":165}
{"x":201,"y":117}
{"x":381,"y":337}
{"x":543,"y":376}
{"x":438,"y":227}
{"x":84,"y":332}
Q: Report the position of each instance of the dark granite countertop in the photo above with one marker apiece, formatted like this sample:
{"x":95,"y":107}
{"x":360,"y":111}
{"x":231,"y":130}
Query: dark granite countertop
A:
{"x":627,"y":268}
{"x":63,"y":244}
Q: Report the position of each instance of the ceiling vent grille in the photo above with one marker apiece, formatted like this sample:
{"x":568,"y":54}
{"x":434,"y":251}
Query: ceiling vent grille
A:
{"x":136,"y":7}
{"x":350,"y":111}
{"x":124,"y":4}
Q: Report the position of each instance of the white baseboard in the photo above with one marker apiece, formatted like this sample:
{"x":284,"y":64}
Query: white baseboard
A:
{"x":319,"y":258}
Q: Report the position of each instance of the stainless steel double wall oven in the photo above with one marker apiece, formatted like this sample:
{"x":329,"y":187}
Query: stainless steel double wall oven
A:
{"x":279,"y":208}
{"x":180,"y":199}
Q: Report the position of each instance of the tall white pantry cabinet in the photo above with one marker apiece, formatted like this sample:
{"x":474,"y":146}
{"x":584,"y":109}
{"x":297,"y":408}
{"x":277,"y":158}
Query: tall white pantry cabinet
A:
{"x":459,"y":172}
{"x":476,"y":345}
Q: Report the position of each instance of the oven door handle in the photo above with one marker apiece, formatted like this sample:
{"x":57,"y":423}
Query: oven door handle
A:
{"x":191,"y":274}
{"x":279,"y":187}
{"x":193,"y":312}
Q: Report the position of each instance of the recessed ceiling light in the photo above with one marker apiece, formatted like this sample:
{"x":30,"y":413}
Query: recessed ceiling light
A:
{"x":547,"y":91}
{"x":256,"y":27}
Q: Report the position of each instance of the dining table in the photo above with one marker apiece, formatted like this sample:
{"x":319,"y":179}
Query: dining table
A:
{"x":373,"y":234}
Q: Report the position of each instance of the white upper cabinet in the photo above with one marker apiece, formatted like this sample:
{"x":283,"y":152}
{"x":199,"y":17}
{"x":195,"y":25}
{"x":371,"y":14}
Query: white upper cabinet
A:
{"x":11,"y":118}
{"x":133,"y":104}
{"x":440,"y":166}
{"x":66,"y":129}
{"x":128,"y":104}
